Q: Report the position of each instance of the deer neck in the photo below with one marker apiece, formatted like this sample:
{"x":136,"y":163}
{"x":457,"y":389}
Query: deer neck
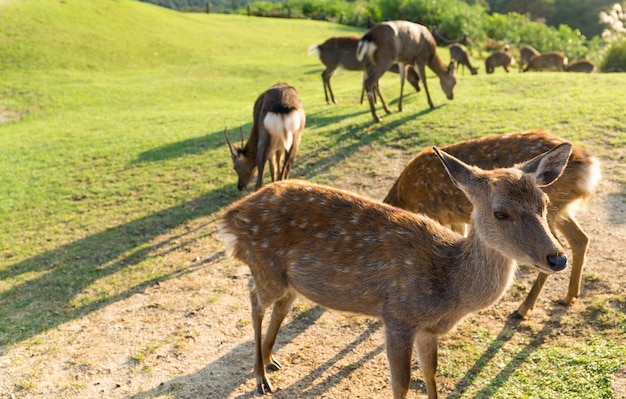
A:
{"x":251,"y":146}
{"x":437,"y":65}
{"x":485,"y":273}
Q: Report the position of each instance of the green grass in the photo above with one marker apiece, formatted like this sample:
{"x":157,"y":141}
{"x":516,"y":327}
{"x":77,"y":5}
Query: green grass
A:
{"x":114,"y":139}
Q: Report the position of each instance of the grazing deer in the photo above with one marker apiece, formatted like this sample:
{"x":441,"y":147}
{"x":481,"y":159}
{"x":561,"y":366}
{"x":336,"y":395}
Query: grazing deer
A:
{"x":352,"y":254}
{"x":526,"y":52}
{"x":550,"y":60}
{"x":499,"y":58}
{"x":423,"y":188}
{"x":459,"y":53}
{"x":406,"y":44}
{"x":340,"y":52}
{"x":584,"y":66}
{"x":278,"y":121}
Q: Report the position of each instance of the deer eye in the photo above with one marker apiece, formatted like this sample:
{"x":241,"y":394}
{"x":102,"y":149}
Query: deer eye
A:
{"x":500,"y":215}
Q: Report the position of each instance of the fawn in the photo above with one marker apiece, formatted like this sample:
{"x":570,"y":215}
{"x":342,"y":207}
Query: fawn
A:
{"x":353,"y":254}
{"x":422,"y":187}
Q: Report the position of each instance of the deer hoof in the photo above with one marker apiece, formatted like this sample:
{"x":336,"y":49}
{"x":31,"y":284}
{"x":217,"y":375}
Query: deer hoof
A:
{"x":265,"y":387}
{"x":274,"y":365}
{"x":517,"y":315}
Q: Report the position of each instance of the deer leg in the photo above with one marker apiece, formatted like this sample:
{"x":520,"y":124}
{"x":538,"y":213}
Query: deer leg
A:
{"x":274,"y":161}
{"x":421,"y":72}
{"x":578,"y":242}
{"x":427,"y":355}
{"x":326,"y":75}
{"x":265,"y":146}
{"x":280,"y":310}
{"x":382,"y":99}
{"x":531,"y":298}
{"x":399,"y":345}
{"x":258,"y":311}
{"x":371,"y":84}
{"x":402,"y":70}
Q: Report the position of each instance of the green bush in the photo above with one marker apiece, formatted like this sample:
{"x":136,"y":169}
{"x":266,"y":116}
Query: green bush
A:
{"x":615,"y":56}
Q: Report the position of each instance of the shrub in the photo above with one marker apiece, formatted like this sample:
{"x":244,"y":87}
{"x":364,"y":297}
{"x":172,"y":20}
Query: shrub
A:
{"x":615,"y":57}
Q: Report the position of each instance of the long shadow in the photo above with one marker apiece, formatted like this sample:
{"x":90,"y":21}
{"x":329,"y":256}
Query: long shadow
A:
{"x":69,"y":270}
{"x":303,"y":388}
{"x":510,"y":328}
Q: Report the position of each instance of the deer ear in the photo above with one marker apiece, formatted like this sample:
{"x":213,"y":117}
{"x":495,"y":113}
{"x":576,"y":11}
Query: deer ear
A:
{"x":549,"y":166}
{"x":463,"y":175}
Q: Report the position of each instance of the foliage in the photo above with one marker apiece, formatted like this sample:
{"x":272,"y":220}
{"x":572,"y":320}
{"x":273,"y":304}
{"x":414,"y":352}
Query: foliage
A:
{"x":615,"y":35}
{"x":516,"y":29}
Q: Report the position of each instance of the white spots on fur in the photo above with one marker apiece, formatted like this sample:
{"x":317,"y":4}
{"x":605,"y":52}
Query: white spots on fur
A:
{"x":408,"y":262}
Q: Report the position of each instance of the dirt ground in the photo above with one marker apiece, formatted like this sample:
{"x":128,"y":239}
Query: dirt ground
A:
{"x":190,"y":336}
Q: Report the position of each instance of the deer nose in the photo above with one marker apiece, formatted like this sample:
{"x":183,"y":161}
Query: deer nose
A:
{"x":557,"y":262}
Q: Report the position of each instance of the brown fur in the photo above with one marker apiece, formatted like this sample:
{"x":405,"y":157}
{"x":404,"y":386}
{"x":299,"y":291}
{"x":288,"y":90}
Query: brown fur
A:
{"x":459,"y":53}
{"x":281,"y":103}
{"x":423,"y":187}
{"x":498,"y":58}
{"x":406,"y":44}
{"x":349,"y":253}
{"x":340,"y":52}
{"x":526,"y":52}
{"x":551,"y":60}
{"x":584,"y":66}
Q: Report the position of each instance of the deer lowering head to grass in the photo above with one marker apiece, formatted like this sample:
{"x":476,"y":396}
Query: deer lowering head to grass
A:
{"x":584,"y":66}
{"x":459,"y":53}
{"x":407,"y":44}
{"x":278,"y":121}
{"x":340,"y":53}
{"x":352,"y":254}
{"x":423,"y":187}
{"x":552,"y":60}
{"x":499,"y":58}
{"x":526,"y":52}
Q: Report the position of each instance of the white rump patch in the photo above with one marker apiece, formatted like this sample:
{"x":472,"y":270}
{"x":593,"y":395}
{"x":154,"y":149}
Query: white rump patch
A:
{"x":590,"y":184}
{"x":230,"y":240}
{"x":283,"y":126}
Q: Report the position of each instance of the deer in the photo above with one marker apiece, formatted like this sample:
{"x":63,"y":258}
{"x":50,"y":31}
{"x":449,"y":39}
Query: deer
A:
{"x":584,"y":66}
{"x":340,"y":52}
{"x":350,"y":253}
{"x":549,"y":60}
{"x":526,"y":52}
{"x":407,"y":44}
{"x":278,"y":122}
{"x":499,"y":58}
{"x":459,"y":53}
{"x":422,"y":187}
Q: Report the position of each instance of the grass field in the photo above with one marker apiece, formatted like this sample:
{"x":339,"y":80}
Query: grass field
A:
{"x":112,"y":152}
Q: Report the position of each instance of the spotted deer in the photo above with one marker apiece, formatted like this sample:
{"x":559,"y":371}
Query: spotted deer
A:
{"x":422,"y":187}
{"x":550,"y":60}
{"x":353,"y":254}
{"x":406,"y":44}
{"x":340,"y":53}
{"x":278,"y":121}
{"x":459,"y":53}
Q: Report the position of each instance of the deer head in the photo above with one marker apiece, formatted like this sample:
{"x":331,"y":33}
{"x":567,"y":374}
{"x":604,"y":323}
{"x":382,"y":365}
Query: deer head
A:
{"x":244,"y":165}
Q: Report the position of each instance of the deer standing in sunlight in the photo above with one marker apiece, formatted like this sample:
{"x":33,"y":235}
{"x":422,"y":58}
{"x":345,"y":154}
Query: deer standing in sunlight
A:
{"x":340,"y":53}
{"x":499,"y":58}
{"x":551,"y":60}
{"x":422,"y":187}
{"x":459,"y":53}
{"x":526,"y":52}
{"x":353,"y":254}
{"x":278,"y":121}
{"x":406,"y":44}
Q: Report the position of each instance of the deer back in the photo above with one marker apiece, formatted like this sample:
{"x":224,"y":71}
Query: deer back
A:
{"x":498,"y":58}
{"x":340,"y":52}
{"x":423,"y":186}
{"x":584,"y":66}
{"x":526,"y":53}
{"x":549,"y":60}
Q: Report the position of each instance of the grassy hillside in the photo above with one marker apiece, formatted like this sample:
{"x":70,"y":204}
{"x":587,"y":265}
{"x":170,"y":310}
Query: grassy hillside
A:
{"x":111,"y":137}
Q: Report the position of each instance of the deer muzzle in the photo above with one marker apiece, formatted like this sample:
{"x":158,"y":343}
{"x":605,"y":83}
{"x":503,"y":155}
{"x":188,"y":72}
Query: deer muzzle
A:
{"x":557,"y":262}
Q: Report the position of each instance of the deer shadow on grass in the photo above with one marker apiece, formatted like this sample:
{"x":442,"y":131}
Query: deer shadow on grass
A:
{"x":511,"y":327}
{"x":306,"y":387}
